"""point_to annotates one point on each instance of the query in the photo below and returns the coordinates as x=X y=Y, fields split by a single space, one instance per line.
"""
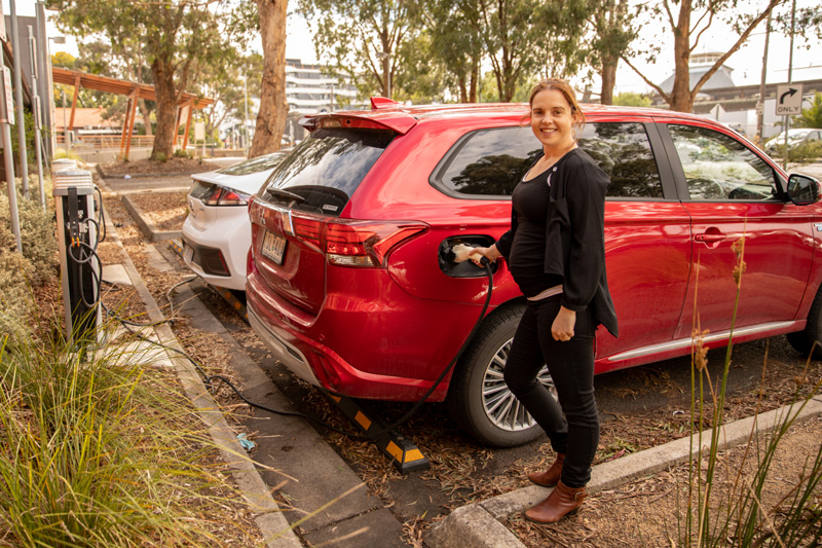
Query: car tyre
x=477 y=386
x=803 y=341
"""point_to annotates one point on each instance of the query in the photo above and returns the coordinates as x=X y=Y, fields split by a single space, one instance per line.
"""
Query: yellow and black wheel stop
x=405 y=455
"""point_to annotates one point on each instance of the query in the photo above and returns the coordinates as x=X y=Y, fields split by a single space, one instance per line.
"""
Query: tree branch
x=670 y=15
x=699 y=35
x=736 y=46
x=658 y=89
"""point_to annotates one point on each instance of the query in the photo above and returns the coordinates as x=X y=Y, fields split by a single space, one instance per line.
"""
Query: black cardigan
x=574 y=238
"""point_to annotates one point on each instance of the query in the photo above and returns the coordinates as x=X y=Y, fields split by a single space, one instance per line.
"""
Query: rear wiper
x=280 y=193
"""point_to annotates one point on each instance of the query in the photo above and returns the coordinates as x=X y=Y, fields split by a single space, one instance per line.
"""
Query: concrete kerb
x=480 y=524
x=275 y=529
x=149 y=229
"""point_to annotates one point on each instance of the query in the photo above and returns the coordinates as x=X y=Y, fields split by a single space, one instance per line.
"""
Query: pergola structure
x=134 y=91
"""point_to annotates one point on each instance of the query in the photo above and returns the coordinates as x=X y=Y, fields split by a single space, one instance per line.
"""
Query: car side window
x=623 y=151
x=718 y=167
x=492 y=161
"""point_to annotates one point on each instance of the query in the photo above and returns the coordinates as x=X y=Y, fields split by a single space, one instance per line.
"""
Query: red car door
x=647 y=239
x=733 y=195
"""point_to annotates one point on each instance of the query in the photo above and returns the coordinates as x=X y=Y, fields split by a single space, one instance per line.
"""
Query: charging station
x=77 y=235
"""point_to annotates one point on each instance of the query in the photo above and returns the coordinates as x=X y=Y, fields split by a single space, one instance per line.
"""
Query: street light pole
x=36 y=108
x=18 y=97
x=790 y=81
x=760 y=106
x=245 y=117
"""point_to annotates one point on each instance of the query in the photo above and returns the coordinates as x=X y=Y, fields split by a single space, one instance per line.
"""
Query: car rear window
x=325 y=169
x=255 y=165
x=490 y=162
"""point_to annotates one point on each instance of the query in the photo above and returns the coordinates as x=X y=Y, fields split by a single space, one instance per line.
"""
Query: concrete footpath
x=481 y=524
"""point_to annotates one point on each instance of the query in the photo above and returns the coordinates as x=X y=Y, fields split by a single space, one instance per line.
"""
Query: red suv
x=349 y=282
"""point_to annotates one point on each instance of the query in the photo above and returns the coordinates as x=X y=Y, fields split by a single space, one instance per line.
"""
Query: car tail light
x=222 y=196
x=355 y=243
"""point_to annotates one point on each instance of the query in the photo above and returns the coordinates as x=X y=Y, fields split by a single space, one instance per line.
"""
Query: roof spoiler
x=382 y=102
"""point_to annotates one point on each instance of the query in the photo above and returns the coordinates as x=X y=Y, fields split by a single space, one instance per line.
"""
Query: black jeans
x=572 y=424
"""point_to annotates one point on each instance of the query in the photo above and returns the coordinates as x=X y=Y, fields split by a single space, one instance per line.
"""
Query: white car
x=796 y=137
x=217 y=231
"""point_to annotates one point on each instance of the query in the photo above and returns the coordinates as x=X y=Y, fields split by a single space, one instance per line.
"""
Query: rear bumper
x=296 y=347
x=232 y=237
x=285 y=353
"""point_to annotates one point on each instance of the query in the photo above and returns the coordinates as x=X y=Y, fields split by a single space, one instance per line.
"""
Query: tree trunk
x=472 y=93
x=146 y=114
x=608 y=74
x=271 y=118
x=463 y=85
x=682 y=99
x=166 y=110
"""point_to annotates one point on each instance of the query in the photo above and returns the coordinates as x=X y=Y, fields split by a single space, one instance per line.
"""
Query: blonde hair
x=567 y=91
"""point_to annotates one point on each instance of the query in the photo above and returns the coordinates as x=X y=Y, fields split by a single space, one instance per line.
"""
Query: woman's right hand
x=490 y=253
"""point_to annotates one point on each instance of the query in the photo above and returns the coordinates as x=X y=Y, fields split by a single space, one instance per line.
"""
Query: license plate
x=274 y=247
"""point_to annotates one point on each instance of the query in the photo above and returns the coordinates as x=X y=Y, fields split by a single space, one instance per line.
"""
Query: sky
x=746 y=63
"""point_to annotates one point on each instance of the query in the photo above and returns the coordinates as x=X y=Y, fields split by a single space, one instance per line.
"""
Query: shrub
x=101 y=452
x=36 y=232
x=16 y=304
x=805 y=152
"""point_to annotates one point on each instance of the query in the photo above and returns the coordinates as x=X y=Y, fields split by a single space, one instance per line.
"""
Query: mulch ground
x=166 y=210
x=141 y=168
x=652 y=511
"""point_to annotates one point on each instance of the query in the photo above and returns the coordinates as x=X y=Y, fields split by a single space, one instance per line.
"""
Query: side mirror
x=803 y=190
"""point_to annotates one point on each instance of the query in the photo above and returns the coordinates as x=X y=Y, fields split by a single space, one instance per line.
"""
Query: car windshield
x=325 y=169
x=254 y=165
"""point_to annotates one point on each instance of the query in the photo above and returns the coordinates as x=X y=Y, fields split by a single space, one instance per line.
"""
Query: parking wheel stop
x=404 y=454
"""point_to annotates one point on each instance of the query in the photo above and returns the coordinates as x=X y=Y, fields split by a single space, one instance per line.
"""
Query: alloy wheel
x=500 y=405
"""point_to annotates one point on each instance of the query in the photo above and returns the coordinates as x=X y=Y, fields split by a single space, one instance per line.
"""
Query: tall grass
x=740 y=518
x=97 y=449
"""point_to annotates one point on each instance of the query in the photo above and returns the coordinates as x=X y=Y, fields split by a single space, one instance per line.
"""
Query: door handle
x=710 y=236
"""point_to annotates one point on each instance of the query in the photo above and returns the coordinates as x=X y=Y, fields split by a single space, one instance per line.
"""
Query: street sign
x=788 y=100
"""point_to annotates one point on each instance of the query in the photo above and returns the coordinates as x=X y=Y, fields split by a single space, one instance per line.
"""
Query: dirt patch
x=165 y=210
x=651 y=511
x=141 y=168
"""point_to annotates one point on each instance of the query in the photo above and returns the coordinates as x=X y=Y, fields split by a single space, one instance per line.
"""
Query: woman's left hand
x=563 y=327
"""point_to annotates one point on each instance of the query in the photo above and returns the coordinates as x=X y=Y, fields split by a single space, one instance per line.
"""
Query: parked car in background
x=350 y=284
x=217 y=232
x=796 y=137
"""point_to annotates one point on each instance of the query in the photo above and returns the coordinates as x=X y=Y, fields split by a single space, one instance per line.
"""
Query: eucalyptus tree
x=523 y=37
x=365 y=39
x=688 y=21
x=177 y=37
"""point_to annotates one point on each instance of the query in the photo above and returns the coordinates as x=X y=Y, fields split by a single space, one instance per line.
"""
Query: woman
x=555 y=252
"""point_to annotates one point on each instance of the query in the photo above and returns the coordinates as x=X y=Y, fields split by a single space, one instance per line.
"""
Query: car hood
x=248 y=184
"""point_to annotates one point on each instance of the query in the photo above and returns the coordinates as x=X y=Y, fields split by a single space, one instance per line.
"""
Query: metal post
x=790 y=81
x=18 y=97
x=760 y=106
x=36 y=108
x=246 y=144
x=5 y=129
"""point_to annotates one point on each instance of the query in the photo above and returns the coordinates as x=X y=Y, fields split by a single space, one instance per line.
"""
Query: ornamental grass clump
x=97 y=449
x=738 y=515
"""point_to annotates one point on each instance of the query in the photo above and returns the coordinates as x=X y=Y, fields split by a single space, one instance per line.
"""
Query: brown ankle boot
x=562 y=500
x=550 y=477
